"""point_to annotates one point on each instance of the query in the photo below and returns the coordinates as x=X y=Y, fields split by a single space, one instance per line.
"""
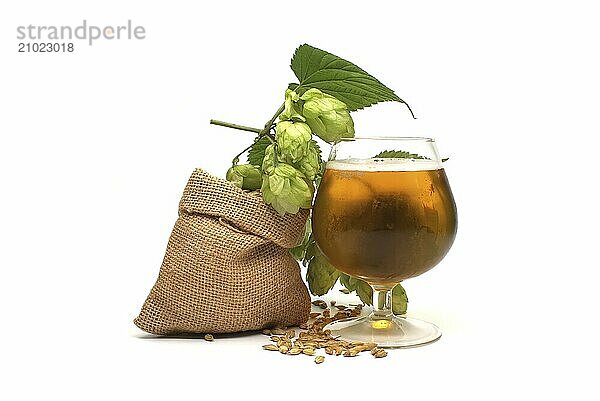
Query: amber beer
x=384 y=220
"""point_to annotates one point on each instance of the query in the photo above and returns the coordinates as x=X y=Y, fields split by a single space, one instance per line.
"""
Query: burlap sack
x=227 y=267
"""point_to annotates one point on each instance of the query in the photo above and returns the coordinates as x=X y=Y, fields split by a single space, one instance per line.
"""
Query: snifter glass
x=384 y=220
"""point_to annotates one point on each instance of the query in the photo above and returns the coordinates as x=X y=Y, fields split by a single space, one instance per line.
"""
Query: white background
x=96 y=147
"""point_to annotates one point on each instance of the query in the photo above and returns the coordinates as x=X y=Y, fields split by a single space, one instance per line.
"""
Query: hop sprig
x=284 y=160
x=289 y=171
x=291 y=164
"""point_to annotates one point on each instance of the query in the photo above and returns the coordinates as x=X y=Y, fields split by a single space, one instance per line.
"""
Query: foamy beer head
x=384 y=220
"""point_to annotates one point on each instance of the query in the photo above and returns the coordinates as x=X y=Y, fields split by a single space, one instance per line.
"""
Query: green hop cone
x=327 y=116
x=310 y=163
x=245 y=176
x=291 y=110
x=292 y=139
x=268 y=165
x=285 y=188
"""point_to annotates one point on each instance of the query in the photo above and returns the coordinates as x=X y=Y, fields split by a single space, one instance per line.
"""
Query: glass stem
x=382 y=304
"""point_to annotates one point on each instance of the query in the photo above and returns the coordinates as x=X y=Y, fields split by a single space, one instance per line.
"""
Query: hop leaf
x=299 y=251
x=245 y=176
x=316 y=68
x=398 y=154
x=348 y=282
x=256 y=154
x=327 y=116
x=292 y=139
x=399 y=300
x=365 y=293
x=320 y=276
x=362 y=288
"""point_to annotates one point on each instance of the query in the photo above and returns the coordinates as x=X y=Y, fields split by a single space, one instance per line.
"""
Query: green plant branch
x=266 y=131
x=261 y=132
x=236 y=126
x=269 y=123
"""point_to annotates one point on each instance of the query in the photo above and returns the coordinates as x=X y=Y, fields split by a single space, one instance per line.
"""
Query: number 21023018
x=46 y=47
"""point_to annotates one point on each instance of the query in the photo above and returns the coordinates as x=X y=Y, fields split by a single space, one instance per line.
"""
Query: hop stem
x=235 y=126
x=269 y=123
x=266 y=131
x=262 y=132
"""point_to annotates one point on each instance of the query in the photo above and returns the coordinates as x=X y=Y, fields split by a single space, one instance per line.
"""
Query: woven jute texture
x=227 y=267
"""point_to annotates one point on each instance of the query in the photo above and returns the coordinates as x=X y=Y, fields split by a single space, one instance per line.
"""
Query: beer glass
x=384 y=220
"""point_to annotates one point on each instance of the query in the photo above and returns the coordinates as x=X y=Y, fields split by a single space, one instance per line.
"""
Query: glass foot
x=391 y=332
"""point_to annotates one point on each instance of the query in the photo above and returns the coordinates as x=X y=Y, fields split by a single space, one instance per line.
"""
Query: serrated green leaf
x=310 y=251
x=316 y=68
x=347 y=282
x=318 y=148
x=319 y=175
x=398 y=154
x=256 y=154
x=299 y=251
x=320 y=276
x=364 y=291
x=399 y=300
x=362 y=288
